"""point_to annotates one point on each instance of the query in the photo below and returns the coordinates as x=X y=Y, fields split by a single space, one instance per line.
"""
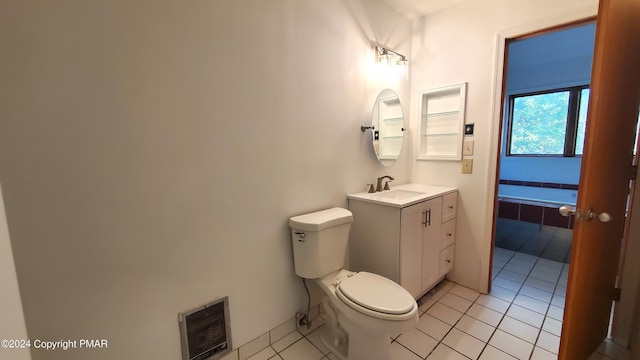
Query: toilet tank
x=320 y=241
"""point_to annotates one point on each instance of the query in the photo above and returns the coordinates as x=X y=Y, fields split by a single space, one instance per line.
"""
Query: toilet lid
x=376 y=293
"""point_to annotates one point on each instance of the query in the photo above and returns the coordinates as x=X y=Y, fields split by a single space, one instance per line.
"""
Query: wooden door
x=605 y=177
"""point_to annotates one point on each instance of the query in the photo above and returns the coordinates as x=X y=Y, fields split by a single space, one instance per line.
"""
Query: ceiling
x=414 y=9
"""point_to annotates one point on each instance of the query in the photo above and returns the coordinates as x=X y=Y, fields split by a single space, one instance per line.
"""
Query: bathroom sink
x=402 y=195
x=398 y=194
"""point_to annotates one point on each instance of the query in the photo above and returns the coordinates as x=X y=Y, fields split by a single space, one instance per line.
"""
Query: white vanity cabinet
x=412 y=245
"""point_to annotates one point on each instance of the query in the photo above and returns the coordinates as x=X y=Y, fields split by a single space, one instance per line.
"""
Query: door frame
x=623 y=330
x=623 y=314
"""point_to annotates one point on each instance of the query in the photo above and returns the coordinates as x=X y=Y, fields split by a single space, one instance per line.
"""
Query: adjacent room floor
x=547 y=242
x=520 y=319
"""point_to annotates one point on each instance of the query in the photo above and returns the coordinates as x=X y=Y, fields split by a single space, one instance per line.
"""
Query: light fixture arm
x=382 y=51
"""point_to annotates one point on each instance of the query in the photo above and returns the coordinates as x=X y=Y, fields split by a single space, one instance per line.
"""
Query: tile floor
x=547 y=242
x=520 y=319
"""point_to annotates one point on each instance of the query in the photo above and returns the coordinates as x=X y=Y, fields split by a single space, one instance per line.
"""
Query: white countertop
x=403 y=195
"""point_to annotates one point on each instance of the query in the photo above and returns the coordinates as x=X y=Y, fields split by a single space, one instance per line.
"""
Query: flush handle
x=301 y=236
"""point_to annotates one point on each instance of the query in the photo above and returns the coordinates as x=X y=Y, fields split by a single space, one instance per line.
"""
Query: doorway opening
x=604 y=177
x=545 y=95
x=545 y=100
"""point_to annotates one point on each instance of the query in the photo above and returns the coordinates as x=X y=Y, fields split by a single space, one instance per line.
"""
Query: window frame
x=571 y=131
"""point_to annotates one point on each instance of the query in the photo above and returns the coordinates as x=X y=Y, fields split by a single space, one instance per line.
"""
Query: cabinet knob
x=449 y=261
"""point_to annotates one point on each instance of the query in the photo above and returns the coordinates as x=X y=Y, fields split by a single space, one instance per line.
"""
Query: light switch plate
x=467 y=166
x=468 y=147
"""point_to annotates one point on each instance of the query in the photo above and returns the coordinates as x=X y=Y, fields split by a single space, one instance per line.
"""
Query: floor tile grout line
x=541 y=325
x=509 y=307
x=448 y=331
x=309 y=340
x=512 y=302
x=548 y=303
x=495 y=329
x=413 y=352
x=454 y=325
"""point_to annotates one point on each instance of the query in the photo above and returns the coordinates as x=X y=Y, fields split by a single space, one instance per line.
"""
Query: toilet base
x=328 y=340
x=367 y=345
x=359 y=349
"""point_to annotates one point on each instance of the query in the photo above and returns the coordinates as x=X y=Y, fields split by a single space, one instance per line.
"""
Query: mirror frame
x=387 y=121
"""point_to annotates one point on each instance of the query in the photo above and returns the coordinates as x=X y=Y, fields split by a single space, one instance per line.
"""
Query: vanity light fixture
x=387 y=56
x=390 y=63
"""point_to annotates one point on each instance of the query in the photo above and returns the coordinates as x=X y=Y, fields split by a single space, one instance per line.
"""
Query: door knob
x=603 y=216
x=566 y=210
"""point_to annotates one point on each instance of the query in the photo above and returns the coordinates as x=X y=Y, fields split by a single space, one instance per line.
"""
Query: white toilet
x=363 y=310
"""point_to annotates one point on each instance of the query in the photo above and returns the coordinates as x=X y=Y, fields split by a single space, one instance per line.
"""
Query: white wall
x=12 y=325
x=151 y=154
x=458 y=45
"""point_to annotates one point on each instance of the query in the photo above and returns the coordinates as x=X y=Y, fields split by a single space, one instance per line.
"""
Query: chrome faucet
x=386 y=185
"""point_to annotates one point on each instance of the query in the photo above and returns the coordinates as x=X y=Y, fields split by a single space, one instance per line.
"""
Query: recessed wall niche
x=442 y=123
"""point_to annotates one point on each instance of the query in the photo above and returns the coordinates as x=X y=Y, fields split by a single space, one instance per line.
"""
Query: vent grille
x=205 y=332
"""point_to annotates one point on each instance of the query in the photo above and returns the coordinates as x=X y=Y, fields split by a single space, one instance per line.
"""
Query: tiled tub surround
x=520 y=319
x=536 y=204
x=539 y=184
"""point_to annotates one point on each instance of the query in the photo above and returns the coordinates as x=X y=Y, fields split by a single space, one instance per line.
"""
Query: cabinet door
x=431 y=223
x=411 y=249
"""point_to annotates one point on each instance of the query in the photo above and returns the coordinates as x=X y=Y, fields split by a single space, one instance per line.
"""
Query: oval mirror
x=387 y=120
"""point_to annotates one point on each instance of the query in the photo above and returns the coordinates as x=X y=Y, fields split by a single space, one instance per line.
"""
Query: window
x=550 y=123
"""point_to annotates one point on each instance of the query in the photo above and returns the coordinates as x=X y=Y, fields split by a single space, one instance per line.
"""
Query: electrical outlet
x=467 y=166
x=467 y=149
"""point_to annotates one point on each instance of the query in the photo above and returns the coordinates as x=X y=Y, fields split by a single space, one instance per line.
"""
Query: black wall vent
x=205 y=332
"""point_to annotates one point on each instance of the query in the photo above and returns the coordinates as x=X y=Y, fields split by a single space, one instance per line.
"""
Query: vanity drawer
x=448 y=234
x=446 y=259
x=449 y=206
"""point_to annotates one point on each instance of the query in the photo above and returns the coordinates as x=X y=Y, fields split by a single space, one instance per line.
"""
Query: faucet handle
x=371 y=189
x=386 y=185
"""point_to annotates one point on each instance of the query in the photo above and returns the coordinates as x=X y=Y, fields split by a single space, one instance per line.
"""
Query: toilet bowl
x=363 y=310
x=370 y=308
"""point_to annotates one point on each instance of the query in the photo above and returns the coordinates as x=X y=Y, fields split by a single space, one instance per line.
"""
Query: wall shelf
x=442 y=123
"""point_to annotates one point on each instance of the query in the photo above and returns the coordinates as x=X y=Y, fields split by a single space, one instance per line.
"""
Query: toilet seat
x=376 y=296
